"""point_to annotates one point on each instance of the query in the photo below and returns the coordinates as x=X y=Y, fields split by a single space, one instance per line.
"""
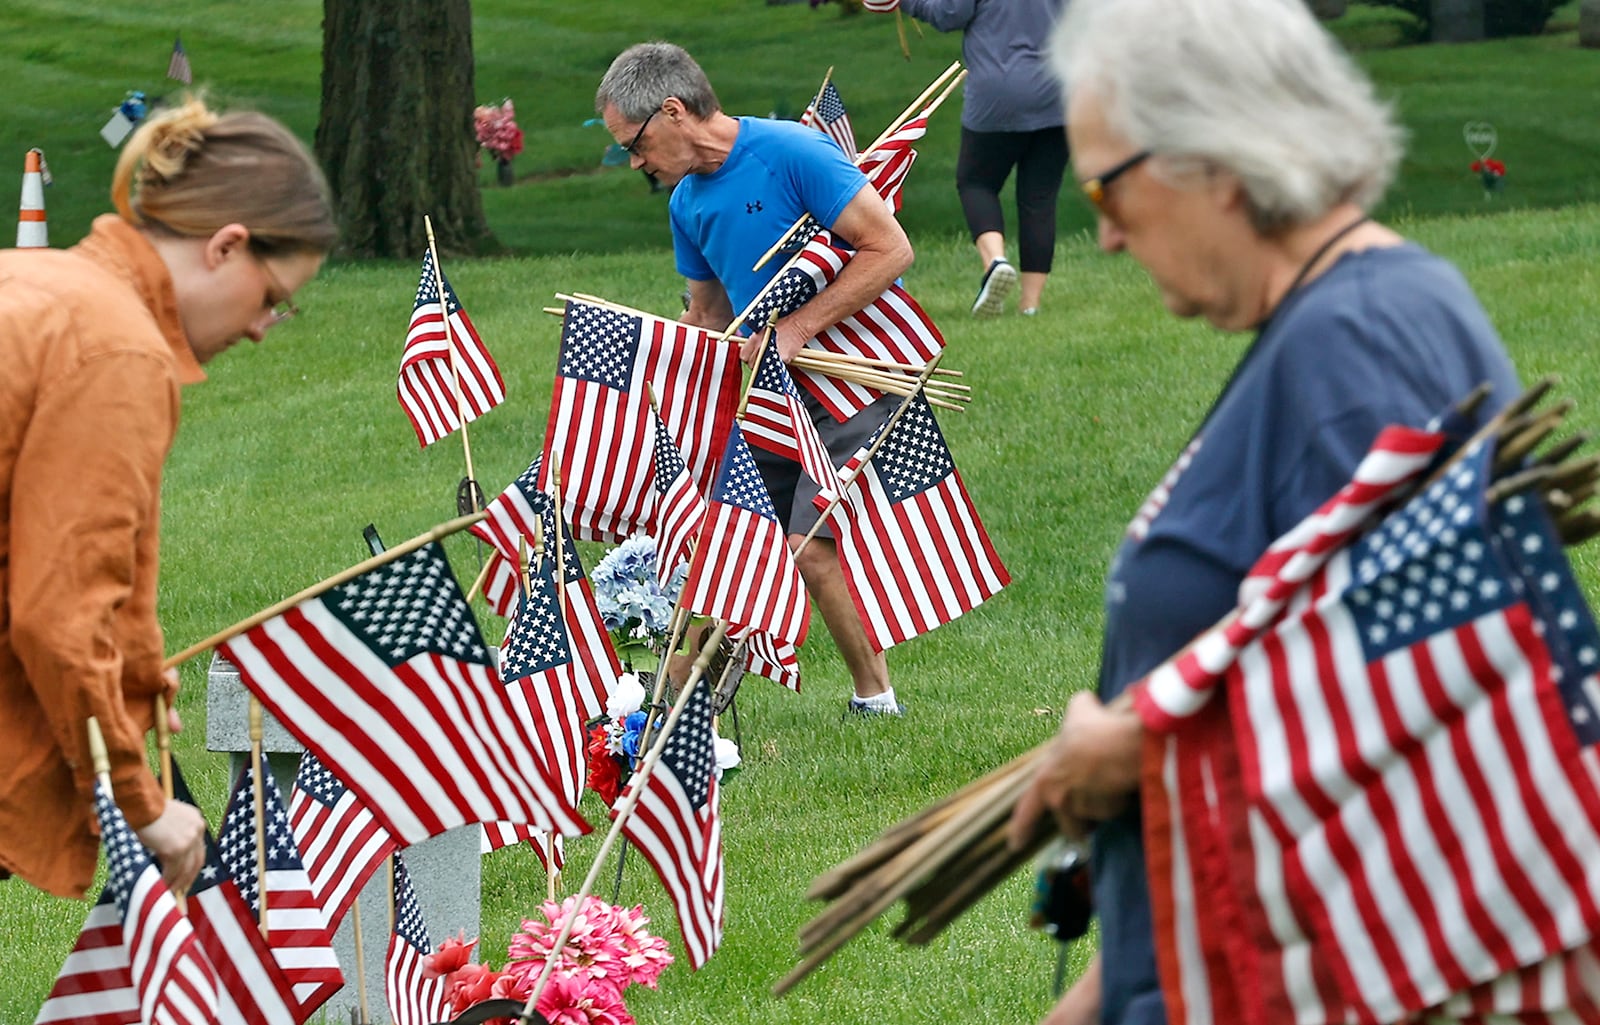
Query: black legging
x=1040 y=158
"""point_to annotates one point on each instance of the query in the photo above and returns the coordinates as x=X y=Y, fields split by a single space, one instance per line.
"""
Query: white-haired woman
x=1234 y=151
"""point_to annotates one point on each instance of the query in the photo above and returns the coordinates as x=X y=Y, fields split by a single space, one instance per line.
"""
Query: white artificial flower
x=626 y=697
x=727 y=754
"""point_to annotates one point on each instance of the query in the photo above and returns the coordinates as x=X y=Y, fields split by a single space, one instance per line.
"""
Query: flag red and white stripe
x=387 y=680
x=767 y=656
x=341 y=843
x=676 y=826
x=775 y=419
x=499 y=835
x=887 y=164
x=742 y=570
x=679 y=506
x=827 y=115
x=436 y=391
x=914 y=553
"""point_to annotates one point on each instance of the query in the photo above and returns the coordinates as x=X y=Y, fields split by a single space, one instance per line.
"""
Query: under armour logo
x=753 y=208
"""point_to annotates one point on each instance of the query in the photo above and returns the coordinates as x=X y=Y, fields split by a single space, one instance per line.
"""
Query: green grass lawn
x=295 y=445
x=70 y=63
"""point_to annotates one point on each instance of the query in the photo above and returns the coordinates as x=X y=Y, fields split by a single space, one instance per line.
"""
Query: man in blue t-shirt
x=740 y=184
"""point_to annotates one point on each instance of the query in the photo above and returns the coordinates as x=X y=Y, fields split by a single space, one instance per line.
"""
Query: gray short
x=790 y=488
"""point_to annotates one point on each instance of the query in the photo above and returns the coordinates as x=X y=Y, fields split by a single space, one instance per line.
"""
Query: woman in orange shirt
x=220 y=219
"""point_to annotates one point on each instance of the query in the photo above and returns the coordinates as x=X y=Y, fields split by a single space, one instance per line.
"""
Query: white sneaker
x=998 y=281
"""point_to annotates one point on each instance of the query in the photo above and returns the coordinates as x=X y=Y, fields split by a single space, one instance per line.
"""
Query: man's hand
x=178 y=840
x=1087 y=775
x=787 y=336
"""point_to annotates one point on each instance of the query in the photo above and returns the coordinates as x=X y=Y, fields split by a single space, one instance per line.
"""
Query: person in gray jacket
x=1012 y=117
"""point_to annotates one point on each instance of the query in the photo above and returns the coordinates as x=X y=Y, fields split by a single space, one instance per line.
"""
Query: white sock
x=884 y=700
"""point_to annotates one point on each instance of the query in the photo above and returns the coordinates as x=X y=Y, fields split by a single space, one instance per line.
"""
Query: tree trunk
x=1589 y=23
x=1457 y=21
x=1328 y=10
x=395 y=135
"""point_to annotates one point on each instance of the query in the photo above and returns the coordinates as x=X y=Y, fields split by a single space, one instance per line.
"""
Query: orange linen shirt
x=93 y=353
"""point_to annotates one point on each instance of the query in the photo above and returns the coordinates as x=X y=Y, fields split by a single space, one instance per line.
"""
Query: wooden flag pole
x=450 y=344
x=164 y=760
x=900 y=30
x=479 y=580
x=894 y=126
x=361 y=959
x=635 y=791
x=845 y=485
x=755 y=368
x=816 y=101
x=443 y=530
x=259 y=791
x=551 y=874
x=97 y=753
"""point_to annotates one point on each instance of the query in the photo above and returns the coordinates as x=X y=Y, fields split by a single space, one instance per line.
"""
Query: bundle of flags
x=1395 y=813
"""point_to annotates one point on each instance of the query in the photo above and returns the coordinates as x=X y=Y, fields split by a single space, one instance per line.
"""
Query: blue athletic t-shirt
x=1384 y=336
x=776 y=172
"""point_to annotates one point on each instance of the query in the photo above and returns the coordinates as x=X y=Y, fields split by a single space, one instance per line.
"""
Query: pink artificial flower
x=452 y=954
x=514 y=987
x=644 y=956
x=594 y=949
x=575 y=1001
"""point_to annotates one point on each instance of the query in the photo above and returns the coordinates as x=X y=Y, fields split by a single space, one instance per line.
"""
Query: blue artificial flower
x=632 y=726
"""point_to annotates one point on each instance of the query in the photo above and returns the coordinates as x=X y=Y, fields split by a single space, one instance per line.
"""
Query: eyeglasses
x=282 y=309
x=632 y=148
x=1095 y=188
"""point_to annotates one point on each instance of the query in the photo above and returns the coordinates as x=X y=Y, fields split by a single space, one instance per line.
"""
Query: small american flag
x=1405 y=781
x=414 y=998
x=340 y=842
x=676 y=827
x=888 y=163
x=178 y=67
x=827 y=114
x=498 y=835
x=137 y=959
x=915 y=554
x=776 y=420
x=523 y=514
x=387 y=680
x=538 y=667
x=435 y=394
x=251 y=988
x=742 y=570
x=297 y=927
x=679 y=509
x=767 y=656
x=599 y=420
x=891 y=327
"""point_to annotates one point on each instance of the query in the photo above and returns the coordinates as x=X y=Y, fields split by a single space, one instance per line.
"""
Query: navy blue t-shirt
x=1384 y=336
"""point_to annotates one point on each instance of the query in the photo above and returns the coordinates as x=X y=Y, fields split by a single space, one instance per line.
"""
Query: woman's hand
x=178 y=840
x=1089 y=772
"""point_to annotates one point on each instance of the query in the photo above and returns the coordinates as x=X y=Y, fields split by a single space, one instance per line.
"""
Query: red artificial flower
x=453 y=954
x=605 y=777
x=470 y=984
x=1494 y=167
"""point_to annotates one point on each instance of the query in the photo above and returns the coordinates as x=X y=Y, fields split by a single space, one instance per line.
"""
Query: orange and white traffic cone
x=32 y=231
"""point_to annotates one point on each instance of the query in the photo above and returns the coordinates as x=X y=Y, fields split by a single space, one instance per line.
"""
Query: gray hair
x=1252 y=87
x=644 y=75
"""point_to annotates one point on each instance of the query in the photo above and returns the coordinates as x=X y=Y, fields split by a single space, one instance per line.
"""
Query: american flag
x=414 y=998
x=178 y=67
x=522 y=513
x=742 y=570
x=767 y=656
x=887 y=164
x=387 y=680
x=599 y=421
x=891 y=327
x=251 y=988
x=1404 y=779
x=137 y=959
x=537 y=665
x=341 y=843
x=428 y=386
x=498 y=835
x=676 y=827
x=827 y=115
x=679 y=507
x=297 y=927
x=915 y=554
x=775 y=419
